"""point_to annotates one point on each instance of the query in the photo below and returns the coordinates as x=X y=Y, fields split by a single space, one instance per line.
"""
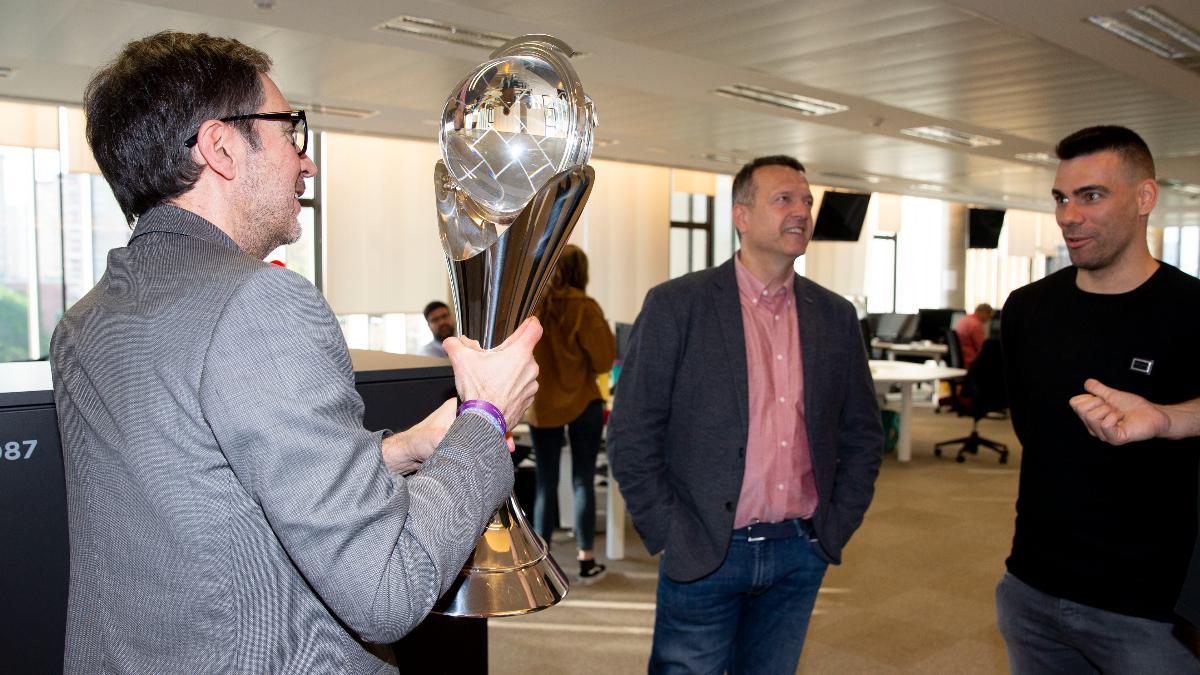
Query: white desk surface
x=21 y=376
x=902 y=371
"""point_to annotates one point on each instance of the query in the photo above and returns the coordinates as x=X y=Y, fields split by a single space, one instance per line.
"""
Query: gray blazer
x=228 y=512
x=680 y=420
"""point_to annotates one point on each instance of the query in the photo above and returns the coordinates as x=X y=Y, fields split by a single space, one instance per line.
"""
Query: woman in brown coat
x=576 y=345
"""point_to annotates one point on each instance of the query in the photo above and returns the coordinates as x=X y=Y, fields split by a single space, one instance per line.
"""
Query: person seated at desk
x=441 y=324
x=971 y=333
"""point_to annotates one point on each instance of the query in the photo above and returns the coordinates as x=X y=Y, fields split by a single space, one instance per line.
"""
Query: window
x=691 y=241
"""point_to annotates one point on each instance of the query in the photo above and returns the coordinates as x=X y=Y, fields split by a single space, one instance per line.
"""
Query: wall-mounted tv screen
x=841 y=215
x=983 y=227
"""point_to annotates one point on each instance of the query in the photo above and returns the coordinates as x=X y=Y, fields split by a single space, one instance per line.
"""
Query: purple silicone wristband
x=489 y=410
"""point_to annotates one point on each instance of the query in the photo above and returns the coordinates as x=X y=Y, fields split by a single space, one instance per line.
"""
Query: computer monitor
x=896 y=327
x=623 y=331
x=932 y=324
x=840 y=217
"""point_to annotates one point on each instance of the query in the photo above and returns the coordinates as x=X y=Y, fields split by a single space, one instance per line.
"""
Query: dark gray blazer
x=678 y=430
x=228 y=512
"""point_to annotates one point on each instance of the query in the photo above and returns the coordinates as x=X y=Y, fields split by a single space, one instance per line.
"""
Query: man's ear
x=1147 y=196
x=739 y=217
x=218 y=146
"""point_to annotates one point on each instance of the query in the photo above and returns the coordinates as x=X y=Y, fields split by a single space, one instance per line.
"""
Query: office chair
x=954 y=359
x=983 y=391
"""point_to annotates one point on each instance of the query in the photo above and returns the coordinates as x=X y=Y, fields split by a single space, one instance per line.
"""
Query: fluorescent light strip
x=864 y=178
x=444 y=32
x=1137 y=37
x=951 y=136
x=806 y=105
x=1038 y=158
x=1184 y=34
x=322 y=109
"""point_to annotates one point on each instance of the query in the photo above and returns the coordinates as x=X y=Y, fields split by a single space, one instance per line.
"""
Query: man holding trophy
x=228 y=512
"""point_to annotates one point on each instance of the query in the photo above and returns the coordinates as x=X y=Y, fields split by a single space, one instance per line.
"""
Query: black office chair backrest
x=953 y=349
x=985 y=381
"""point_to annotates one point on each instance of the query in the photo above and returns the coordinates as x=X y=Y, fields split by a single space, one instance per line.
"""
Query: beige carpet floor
x=915 y=594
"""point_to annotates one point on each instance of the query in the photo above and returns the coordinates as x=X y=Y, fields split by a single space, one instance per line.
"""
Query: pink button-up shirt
x=778 y=483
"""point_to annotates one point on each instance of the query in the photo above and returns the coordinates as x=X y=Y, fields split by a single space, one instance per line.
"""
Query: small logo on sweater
x=1143 y=366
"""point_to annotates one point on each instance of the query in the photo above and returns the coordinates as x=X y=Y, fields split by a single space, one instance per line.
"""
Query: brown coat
x=576 y=345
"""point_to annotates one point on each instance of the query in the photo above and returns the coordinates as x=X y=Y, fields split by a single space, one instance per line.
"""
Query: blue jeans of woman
x=584 y=432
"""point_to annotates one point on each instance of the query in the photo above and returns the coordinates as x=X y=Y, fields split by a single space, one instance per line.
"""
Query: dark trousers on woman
x=584 y=432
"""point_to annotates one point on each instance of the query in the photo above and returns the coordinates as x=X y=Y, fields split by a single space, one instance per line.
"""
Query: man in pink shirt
x=971 y=332
x=746 y=438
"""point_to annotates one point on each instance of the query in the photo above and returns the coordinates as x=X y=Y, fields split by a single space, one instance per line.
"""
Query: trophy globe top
x=515 y=122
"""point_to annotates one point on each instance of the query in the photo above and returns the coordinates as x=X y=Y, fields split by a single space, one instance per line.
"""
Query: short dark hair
x=743 y=182
x=433 y=307
x=1125 y=142
x=144 y=105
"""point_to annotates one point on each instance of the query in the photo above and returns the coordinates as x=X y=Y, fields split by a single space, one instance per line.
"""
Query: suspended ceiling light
x=444 y=32
x=805 y=105
x=340 y=111
x=1137 y=37
x=951 y=136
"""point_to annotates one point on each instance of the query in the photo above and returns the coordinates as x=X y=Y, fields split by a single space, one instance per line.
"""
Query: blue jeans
x=1047 y=634
x=584 y=432
x=749 y=616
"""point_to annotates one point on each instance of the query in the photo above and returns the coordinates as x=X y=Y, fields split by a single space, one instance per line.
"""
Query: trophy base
x=509 y=573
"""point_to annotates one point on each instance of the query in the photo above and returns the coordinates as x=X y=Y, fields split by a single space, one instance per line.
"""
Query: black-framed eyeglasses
x=296 y=117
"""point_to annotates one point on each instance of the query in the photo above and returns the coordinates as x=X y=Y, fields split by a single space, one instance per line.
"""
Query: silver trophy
x=516 y=136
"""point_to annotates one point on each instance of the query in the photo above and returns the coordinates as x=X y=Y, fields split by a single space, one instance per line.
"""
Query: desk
x=906 y=375
x=930 y=350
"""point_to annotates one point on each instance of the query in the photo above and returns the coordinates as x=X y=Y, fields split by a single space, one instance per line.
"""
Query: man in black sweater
x=1103 y=533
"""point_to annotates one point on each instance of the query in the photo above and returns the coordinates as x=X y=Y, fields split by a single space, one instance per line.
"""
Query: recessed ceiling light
x=1137 y=37
x=1038 y=158
x=928 y=187
x=340 y=111
x=606 y=142
x=727 y=159
x=444 y=32
x=805 y=105
x=861 y=177
x=951 y=136
x=1153 y=16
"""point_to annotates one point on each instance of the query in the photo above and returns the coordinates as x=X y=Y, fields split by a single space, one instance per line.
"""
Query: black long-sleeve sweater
x=1108 y=527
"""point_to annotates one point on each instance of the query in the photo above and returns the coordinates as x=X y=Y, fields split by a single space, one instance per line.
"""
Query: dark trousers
x=547 y=446
x=584 y=432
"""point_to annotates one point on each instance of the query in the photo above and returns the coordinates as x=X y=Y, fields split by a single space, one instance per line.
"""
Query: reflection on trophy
x=516 y=136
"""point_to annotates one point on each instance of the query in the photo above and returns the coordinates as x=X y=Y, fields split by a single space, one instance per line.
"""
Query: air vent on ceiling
x=340 y=111
x=444 y=32
x=1157 y=32
x=951 y=136
x=805 y=105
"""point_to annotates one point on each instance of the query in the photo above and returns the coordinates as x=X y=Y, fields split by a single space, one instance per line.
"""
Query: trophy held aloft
x=516 y=136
